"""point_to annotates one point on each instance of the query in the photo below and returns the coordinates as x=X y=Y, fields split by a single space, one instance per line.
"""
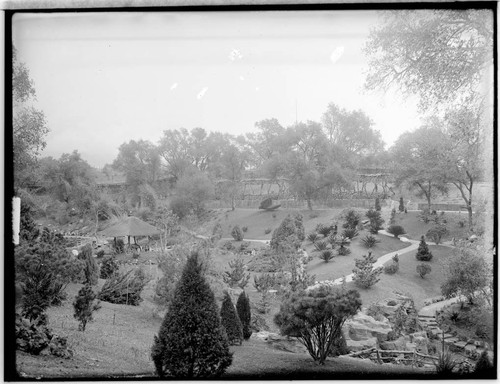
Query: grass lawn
x=343 y=265
x=257 y=221
x=415 y=227
x=407 y=281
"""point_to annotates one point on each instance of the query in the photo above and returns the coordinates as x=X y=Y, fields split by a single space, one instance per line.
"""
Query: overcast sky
x=106 y=78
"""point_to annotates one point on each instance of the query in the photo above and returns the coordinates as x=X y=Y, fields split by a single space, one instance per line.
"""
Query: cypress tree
x=191 y=342
x=230 y=320
x=91 y=268
x=423 y=253
x=245 y=314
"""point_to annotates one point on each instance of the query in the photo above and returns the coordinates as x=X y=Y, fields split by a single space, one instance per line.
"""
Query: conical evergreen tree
x=191 y=342
x=245 y=314
x=423 y=253
x=230 y=321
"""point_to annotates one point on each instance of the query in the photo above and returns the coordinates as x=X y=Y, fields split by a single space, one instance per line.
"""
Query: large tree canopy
x=439 y=55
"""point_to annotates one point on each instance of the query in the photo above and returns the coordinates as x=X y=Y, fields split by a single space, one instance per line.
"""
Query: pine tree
x=401 y=205
x=377 y=204
x=84 y=306
x=230 y=320
x=191 y=342
x=364 y=275
x=245 y=314
x=91 y=268
x=423 y=253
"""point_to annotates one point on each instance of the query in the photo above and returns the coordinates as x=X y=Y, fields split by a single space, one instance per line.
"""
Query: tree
x=316 y=318
x=237 y=233
x=236 y=276
x=245 y=314
x=193 y=188
x=84 y=306
x=139 y=161
x=29 y=124
x=364 y=275
x=230 y=320
x=467 y=273
x=423 y=269
x=377 y=204
x=439 y=55
x=91 y=270
x=286 y=234
x=423 y=253
x=416 y=162
x=191 y=342
x=376 y=220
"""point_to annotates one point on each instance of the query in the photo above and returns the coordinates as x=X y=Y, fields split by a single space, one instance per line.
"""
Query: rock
x=460 y=344
x=283 y=343
x=421 y=344
x=364 y=331
x=261 y=335
x=470 y=348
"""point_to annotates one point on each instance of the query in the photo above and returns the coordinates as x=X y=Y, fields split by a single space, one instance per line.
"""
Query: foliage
x=236 y=276
x=91 y=270
x=396 y=230
x=323 y=229
x=244 y=229
x=217 y=231
x=391 y=268
x=299 y=227
x=316 y=318
x=350 y=233
x=108 y=268
x=230 y=321
x=286 y=233
x=445 y=363
x=139 y=161
x=401 y=205
x=326 y=255
x=403 y=53
x=171 y=265
x=467 y=273
x=364 y=275
x=392 y=219
x=437 y=232
x=423 y=269
x=483 y=365
x=352 y=219
x=193 y=188
x=312 y=237
x=377 y=204
x=180 y=206
x=369 y=241
x=44 y=268
x=342 y=251
x=119 y=246
x=376 y=220
x=405 y=319
x=320 y=245
x=124 y=288
x=84 y=306
x=191 y=342
x=423 y=253
x=245 y=314
x=236 y=233
x=34 y=336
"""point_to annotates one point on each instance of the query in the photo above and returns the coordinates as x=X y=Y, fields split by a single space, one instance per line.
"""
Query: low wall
x=443 y=207
x=296 y=204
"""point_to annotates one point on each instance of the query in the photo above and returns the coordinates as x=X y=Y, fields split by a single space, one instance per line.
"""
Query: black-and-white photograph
x=294 y=192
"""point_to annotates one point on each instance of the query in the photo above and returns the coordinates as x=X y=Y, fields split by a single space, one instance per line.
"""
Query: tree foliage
x=191 y=342
x=236 y=275
x=245 y=314
x=423 y=253
x=85 y=306
x=364 y=275
x=316 y=318
x=438 y=55
x=287 y=233
x=91 y=270
x=230 y=321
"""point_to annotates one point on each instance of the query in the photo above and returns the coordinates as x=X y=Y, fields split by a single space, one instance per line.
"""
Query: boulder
x=283 y=343
x=363 y=331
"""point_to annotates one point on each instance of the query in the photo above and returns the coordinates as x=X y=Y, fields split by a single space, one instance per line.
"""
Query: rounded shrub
x=237 y=233
x=423 y=253
x=396 y=230
x=423 y=269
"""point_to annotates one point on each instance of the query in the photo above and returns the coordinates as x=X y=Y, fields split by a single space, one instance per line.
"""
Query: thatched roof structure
x=131 y=226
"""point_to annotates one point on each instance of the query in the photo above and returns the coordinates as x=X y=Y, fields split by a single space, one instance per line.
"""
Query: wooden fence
x=381 y=355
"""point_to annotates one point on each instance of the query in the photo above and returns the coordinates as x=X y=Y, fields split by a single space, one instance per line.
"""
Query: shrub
x=425 y=215
x=342 y=251
x=191 y=342
x=352 y=219
x=436 y=233
x=369 y=241
x=364 y=275
x=84 y=306
x=484 y=367
x=181 y=206
x=124 y=288
x=267 y=231
x=423 y=253
x=423 y=269
x=376 y=220
x=266 y=203
x=100 y=254
x=264 y=282
x=217 y=231
x=299 y=227
x=237 y=233
x=91 y=270
x=320 y=245
x=236 y=276
x=316 y=318
x=230 y=321
x=326 y=255
x=108 y=268
x=285 y=234
x=350 y=233
x=171 y=265
x=323 y=229
x=244 y=229
x=445 y=363
x=119 y=246
x=377 y=204
x=245 y=314
x=312 y=237
x=396 y=230
x=392 y=219
x=401 y=205
x=391 y=268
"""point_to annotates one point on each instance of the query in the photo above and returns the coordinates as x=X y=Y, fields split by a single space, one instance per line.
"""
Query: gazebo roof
x=131 y=226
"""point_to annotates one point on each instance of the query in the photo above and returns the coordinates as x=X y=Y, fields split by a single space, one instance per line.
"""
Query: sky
x=103 y=79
